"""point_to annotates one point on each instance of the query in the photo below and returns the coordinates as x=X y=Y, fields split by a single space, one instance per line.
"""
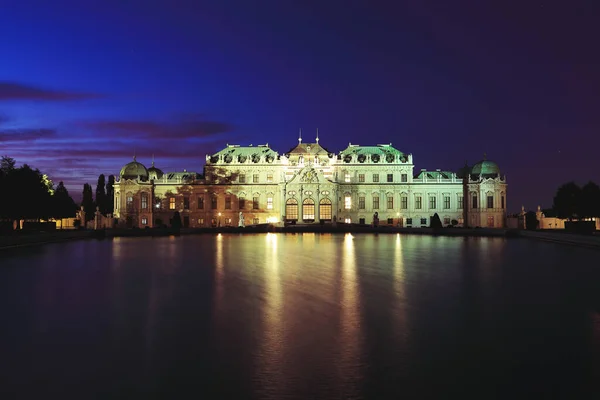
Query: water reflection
x=350 y=334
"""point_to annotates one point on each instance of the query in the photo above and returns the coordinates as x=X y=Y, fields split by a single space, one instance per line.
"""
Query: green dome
x=134 y=170
x=486 y=168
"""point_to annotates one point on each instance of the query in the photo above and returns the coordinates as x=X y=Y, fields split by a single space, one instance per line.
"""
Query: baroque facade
x=309 y=184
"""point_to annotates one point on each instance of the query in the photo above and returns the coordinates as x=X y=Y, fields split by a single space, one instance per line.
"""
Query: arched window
x=308 y=210
x=325 y=209
x=291 y=210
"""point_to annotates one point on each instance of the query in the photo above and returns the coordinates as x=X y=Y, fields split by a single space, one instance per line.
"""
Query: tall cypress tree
x=110 y=194
x=88 y=202
x=101 y=194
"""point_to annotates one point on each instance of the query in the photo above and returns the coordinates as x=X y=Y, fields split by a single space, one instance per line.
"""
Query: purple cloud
x=25 y=135
x=18 y=91
x=181 y=129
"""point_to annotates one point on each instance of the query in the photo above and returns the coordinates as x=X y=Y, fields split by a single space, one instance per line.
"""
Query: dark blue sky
x=86 y=84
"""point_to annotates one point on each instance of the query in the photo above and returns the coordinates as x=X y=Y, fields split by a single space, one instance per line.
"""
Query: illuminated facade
x=308 y=185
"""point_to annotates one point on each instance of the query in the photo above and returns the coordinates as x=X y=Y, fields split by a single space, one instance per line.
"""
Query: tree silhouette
x=63 y=205
x=88 y=202
x=567 y=201
x=435 y=222
x=590 y=201
x=101 y=194
x=110 y=194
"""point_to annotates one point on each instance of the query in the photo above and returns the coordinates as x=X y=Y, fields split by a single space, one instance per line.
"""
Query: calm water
x=300 y=317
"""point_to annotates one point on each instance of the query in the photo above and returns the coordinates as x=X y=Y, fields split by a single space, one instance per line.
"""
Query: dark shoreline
x=31 y=239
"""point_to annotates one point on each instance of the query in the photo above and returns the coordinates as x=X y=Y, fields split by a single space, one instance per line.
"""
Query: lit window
x=144 y=221
x=432 y=202
x=404 y=178
x=361 y=177
x=129 y=200
x=404 y=202
x=347 y=220
x=446 y=202
x=269 y=203
x=346 y=177
x=361 y=203
x=144 y=198
x=255 y=221
x=200 y=221
x=375 y=177
x=171 y=203
x=269 y=177
x=347 y=202
x=227 y=221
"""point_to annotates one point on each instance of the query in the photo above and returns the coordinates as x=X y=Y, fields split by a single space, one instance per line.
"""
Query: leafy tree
x=101 y=194
x=176 y=220
x=30 y=194
x=63 y=205
x=435 y=222
x=7 y=164
x=88 y=202
x=590 y=201
x=110 y=194
x=567 y=201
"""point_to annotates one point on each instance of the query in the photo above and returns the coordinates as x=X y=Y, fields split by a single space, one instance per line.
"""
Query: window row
x=214 y=203
x=375 y=178
x=243 y=178
x=432 y=205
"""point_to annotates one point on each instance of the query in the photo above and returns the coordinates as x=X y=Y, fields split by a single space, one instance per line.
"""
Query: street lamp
x=219 y=221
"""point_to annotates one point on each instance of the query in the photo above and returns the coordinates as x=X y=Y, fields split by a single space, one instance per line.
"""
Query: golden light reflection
x=400 y=313
x=270 y=357
x=219 y=270
x=350 y=334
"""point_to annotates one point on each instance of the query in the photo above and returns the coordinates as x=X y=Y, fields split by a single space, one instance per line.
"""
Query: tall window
x=418 y=202
x=390 y=202
x=502 y=198
x=228 y=202
x=347 y=202
x=144 y=221
x=270 y=177
x=490 y=202
x=346 y=177
x=242 y=178
x=361 y=177
x=269 y=203
x=408 y=221
x=129 y=201
x=361 y=203
x=144 y=200
x=375 y=202
x=291 y=209
x=404 y=202
x=375 y=177
x=171 y=203
x=308 y=209
x=432 y=202
x=213 y=202
x=186 y=203
x=255 y=178
x=200 y=203
x=446 y=202
x=241 y=203
x=460 y=202
x=390 y=177
x=404 y=178
x=325 y=209
x=255 y=203
x=474 y=201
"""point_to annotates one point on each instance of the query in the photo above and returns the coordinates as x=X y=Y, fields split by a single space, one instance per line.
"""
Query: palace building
x=309 y=184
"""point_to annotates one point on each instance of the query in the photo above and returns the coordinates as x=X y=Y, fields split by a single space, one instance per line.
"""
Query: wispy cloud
x=20 y=91
x=25 y=135
x=183 y=128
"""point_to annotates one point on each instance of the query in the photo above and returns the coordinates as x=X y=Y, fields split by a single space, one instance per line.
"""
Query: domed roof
x=153 y=172
x=486 y=168
x=134 y=170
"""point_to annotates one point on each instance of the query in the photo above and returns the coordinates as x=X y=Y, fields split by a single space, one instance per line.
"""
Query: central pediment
x=309 y=175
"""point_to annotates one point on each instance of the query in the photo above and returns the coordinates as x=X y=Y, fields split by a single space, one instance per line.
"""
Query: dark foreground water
x=307 y=316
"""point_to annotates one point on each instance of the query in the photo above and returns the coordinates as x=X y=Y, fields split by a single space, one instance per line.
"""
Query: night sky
x=85 y=85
